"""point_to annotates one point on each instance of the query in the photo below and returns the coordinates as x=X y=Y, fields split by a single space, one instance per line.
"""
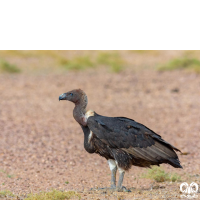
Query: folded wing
x=133 y=138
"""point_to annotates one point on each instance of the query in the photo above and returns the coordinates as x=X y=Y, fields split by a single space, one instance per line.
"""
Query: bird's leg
x=121 y=177
x=113 y=168
x=113 y=177
x=121 y=188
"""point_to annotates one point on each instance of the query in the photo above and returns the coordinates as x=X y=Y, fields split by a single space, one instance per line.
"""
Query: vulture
x=122 y=141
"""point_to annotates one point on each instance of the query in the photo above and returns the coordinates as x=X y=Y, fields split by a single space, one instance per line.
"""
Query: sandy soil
x=41 y=145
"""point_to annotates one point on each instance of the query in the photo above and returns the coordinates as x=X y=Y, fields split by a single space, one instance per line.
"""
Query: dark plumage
x=130 y=143
x=122 y=141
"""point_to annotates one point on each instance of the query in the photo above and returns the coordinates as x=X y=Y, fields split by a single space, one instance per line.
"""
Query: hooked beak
x=62 y=96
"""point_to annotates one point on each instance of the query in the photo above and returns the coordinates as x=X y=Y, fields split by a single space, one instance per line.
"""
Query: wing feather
x=131 y=137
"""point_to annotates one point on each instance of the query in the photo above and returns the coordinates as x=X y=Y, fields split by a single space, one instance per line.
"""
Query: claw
x=122 y=189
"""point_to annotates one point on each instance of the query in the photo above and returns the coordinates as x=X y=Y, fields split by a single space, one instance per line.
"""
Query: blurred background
x=44 y=62
x=41 y=145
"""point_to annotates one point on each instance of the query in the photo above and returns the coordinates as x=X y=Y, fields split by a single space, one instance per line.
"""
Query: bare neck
x=80 y=110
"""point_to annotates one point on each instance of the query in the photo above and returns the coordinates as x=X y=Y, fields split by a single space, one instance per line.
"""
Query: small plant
x=53 y=195
x=175 y=177
x=3 y=171
x=78 y=63
x=6 y=193
x=66 y=182
x=112 y=60
x=8 y=175
x=63 y=61
x=183 y=63
x=9 y=68
x=159 y=175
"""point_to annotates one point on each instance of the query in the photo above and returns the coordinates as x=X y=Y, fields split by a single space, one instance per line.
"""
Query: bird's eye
x=71 y=94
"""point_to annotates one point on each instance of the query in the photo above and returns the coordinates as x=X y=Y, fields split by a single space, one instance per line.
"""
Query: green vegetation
x=112 y=60
x=6 y=193
x=65 y=59
x=189 y=64
x=8 y=175
x=82 y=60
x=9 y=68
x=150 y=52
x=66 y=182
x=175 y=177
x=53 y=195
x=159 y=175
x=78 y=63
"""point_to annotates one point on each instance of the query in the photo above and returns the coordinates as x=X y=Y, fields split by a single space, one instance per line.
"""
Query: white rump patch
x=112 y=164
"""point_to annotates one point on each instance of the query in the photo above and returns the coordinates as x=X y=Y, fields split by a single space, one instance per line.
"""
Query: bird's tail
x=175 y=162
x=167 y=152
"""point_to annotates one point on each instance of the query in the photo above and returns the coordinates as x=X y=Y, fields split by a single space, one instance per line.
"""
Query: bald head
x=79 y=98
x=76 y=96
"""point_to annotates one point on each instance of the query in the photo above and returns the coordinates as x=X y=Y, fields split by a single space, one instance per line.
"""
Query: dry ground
x=41 y=145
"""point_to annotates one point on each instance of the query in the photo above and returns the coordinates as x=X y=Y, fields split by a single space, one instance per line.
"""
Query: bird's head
x=76 y=96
